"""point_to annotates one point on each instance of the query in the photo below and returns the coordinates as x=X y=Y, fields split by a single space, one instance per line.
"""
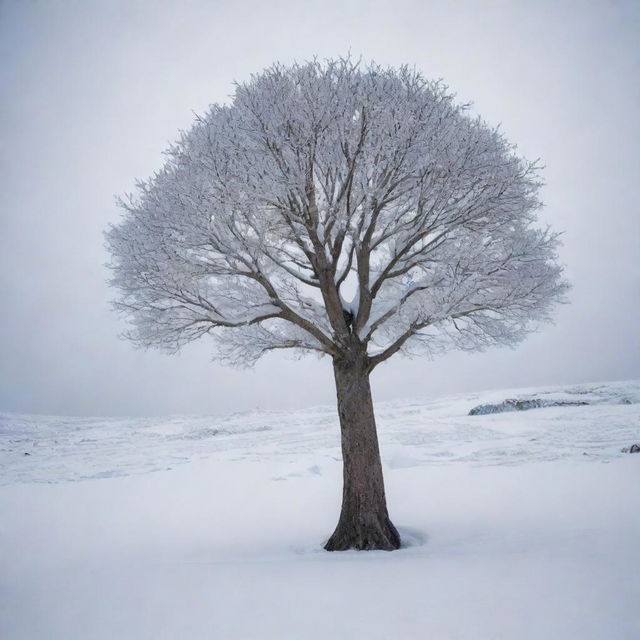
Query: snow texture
x=515 y=525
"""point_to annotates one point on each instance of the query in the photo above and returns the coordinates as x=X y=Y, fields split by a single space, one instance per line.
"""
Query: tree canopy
x=323 y=176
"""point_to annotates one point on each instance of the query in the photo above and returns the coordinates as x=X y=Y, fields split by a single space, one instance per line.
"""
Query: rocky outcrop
x=514 y=404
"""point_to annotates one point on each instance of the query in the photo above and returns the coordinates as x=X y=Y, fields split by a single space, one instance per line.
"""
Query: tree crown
x=324 y=177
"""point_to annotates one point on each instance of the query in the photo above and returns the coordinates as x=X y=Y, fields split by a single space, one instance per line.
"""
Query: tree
x=322 y=176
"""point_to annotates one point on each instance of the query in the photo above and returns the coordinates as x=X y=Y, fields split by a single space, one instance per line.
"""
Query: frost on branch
x=319 y=174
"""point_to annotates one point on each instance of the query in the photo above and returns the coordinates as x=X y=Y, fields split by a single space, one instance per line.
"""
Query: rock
x=514 y=404
x=634 y=448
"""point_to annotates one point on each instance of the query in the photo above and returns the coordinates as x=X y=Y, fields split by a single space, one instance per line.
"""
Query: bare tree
x=327 y=176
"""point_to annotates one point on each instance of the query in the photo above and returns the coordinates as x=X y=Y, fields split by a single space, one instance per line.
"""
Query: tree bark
x=364 y=521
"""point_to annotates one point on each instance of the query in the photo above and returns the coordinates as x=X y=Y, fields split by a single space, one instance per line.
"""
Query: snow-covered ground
x=519 y=525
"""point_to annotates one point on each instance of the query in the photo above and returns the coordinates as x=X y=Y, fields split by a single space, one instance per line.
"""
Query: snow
x=218 y=243
x=351 y=306
x=212 y=527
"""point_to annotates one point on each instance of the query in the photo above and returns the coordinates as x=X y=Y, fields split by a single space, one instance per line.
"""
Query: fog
x=91 y=93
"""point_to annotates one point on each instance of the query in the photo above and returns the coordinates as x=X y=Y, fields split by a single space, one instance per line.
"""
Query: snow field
x=506 y=537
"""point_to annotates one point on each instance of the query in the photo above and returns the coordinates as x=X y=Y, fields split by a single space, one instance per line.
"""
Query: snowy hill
x=516 y=524
x=58 y=449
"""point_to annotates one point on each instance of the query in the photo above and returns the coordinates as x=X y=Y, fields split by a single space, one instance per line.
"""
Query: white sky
x=92 y=92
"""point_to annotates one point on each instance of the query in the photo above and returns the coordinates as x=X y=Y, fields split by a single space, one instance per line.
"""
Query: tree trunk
x=364 y=521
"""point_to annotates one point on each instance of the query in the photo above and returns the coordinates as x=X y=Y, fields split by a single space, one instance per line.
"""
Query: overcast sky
x=91 y=93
